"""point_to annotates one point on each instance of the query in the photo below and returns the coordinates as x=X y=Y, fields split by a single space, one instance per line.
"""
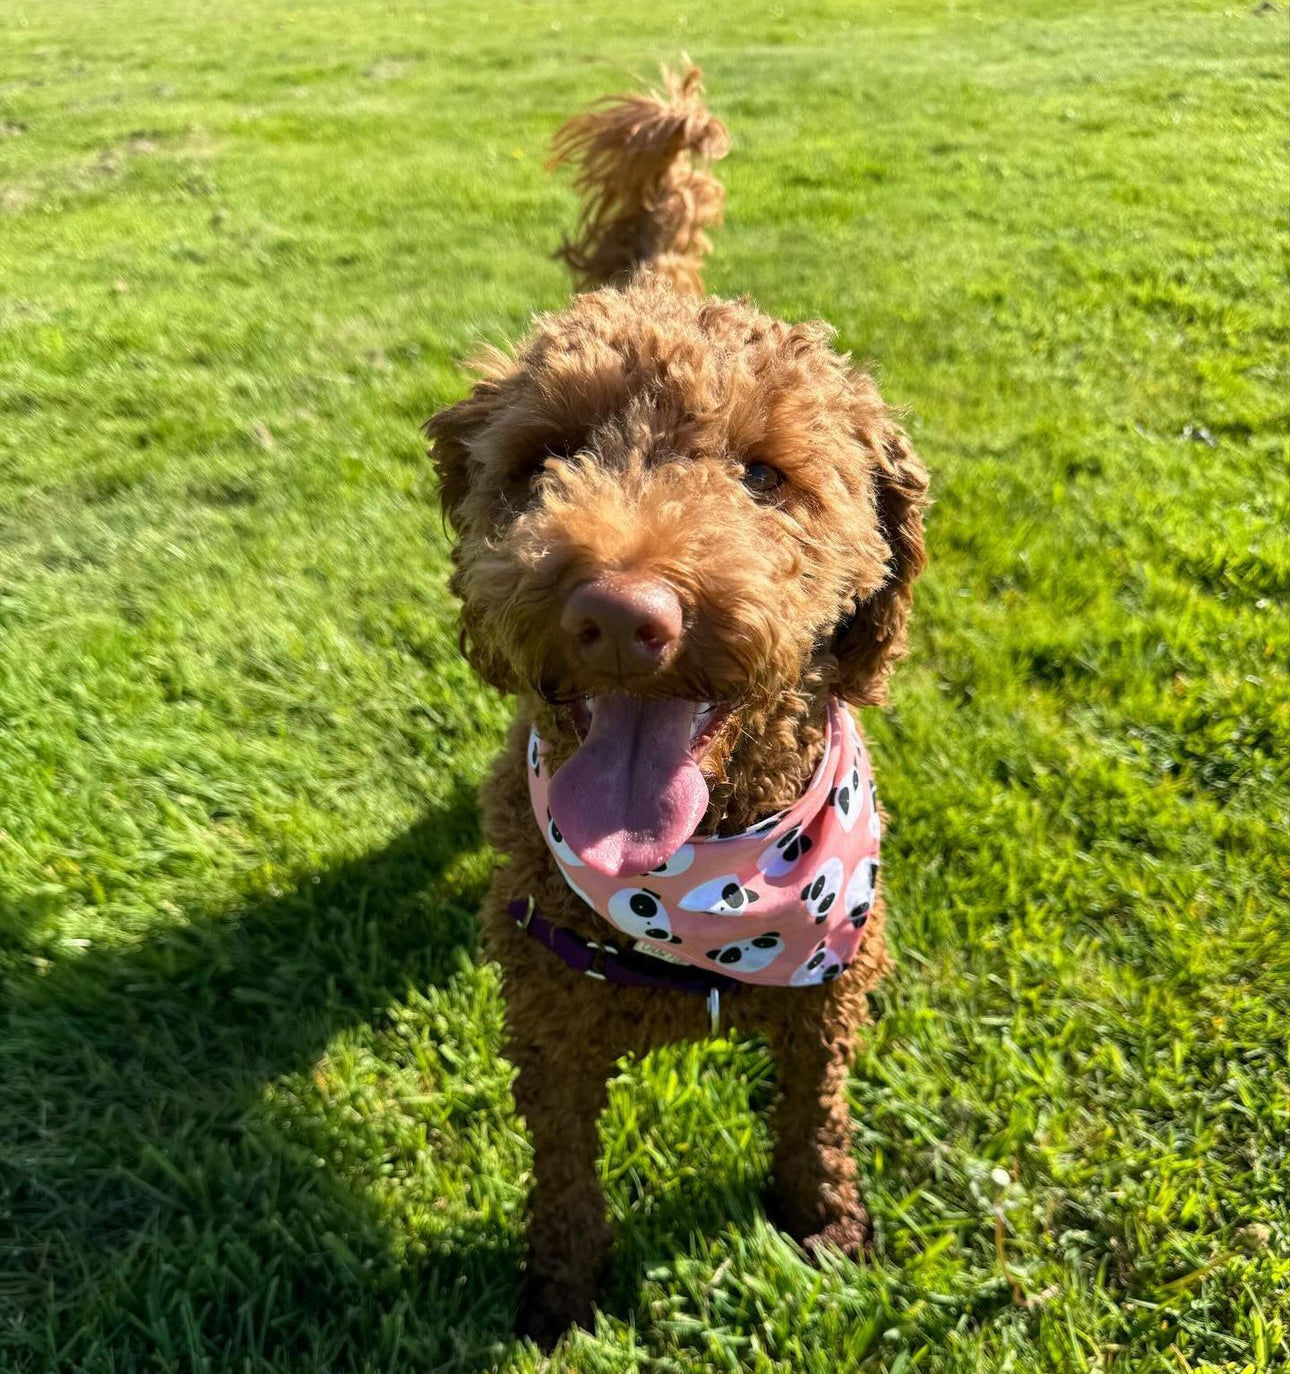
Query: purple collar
x=612 y=965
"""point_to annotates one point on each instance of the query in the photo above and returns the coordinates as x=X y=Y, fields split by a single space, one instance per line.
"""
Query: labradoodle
x=686 y=536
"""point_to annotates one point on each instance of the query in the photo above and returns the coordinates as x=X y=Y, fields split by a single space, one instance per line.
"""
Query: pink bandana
x=782 y=904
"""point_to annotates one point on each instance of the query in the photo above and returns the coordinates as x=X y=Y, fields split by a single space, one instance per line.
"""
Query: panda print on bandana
x=724 y=896
x=822 y=966
x=823 y=889
x=748 y=956
x=640 y=912
x=784 y=903
x=846 y=798
x=678 y=863
x=862 y=888
x=788 y=850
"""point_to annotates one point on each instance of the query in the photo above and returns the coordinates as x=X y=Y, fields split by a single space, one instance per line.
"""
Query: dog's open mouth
x=707 y=719
x=632 y=794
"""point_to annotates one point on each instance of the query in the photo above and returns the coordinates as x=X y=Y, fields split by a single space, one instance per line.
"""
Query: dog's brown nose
x=623 y=625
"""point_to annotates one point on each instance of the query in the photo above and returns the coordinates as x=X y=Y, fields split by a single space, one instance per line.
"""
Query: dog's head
x=682 y=509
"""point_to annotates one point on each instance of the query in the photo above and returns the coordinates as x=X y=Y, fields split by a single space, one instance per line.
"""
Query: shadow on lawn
x=152 y=1211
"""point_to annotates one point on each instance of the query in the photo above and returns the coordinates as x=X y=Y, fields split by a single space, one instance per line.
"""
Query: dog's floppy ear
x=451 y=430
x=872 y=637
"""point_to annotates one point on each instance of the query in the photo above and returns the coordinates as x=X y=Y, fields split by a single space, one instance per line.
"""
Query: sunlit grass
x=253 y=1114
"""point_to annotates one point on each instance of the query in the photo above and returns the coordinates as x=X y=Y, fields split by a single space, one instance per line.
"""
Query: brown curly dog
x=676 y=499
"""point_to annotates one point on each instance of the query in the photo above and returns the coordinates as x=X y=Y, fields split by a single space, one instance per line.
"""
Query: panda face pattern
x=725 y=896
x=559 y=845
x=822 y=891
x=782 y=856
x=535 y=753
x=640 y=912
x=678 y=863
x=821 y=967
x=862 y=887
x=845 y=799
x=749 y=956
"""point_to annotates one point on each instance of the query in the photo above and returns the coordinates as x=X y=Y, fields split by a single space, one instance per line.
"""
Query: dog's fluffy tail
x=641 y=167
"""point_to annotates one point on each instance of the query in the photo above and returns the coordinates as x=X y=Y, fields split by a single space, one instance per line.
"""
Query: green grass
x=252 y=1111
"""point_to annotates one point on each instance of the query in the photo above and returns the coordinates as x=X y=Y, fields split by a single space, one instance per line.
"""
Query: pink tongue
x=632 y=795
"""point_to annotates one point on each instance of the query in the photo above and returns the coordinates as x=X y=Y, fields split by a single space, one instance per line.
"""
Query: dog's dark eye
x=761 y=479
x=538 y=465
x=531 y=463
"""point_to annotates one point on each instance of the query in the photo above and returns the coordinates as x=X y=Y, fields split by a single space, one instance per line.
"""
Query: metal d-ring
x=714 y=1011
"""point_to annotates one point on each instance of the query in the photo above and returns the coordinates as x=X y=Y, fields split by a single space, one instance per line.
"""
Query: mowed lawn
x=253 y=1115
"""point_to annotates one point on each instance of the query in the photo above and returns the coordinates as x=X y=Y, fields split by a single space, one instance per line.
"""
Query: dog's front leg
x=814 y=1193
x=561 y=1089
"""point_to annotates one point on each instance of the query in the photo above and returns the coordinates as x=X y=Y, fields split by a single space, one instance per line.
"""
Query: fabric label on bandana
x=783 y=904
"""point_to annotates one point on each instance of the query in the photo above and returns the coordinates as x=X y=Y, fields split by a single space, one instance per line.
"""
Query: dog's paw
x=548 y=1310
x=821 y=1229
x=851 y=1233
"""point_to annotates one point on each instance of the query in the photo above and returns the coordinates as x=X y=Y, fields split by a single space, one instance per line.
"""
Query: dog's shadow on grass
x=151 y=1212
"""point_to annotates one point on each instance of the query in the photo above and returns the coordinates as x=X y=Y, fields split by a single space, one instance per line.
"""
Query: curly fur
x=641 y=169
x=615 y=439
